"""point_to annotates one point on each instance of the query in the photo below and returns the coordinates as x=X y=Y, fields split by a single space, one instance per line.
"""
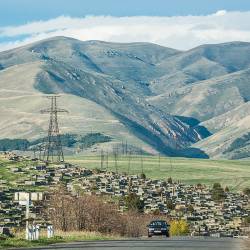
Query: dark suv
x=158 y=227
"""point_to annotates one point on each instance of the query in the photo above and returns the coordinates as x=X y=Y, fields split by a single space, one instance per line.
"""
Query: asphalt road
x=155 y=243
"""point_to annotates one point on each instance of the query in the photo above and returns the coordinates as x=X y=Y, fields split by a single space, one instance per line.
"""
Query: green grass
x=5 y=171
x=11 y=178
x=234 y=174
x=16 y=242
x=61 y=237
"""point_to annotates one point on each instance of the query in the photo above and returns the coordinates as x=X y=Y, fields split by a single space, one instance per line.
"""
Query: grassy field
x=234 y=174
x=5 y=171
x=61 y=237
x=11 y=178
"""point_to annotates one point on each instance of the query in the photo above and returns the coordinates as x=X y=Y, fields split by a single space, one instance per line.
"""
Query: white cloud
x=181 y=32
x=221 y=13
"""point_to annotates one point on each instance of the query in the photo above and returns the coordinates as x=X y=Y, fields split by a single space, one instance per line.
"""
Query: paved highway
x=155 y=243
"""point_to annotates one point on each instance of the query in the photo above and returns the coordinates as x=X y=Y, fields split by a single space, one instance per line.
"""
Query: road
x=155 y=243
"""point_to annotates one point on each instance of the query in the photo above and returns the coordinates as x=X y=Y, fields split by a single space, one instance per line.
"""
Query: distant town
x=209 y=211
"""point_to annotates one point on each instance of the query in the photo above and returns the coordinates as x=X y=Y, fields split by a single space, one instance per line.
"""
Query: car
x=158 y=227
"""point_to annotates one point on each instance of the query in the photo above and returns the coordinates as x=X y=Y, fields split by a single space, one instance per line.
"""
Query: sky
x=180 y=24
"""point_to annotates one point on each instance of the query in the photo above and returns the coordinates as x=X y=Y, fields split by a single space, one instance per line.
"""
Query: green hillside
x=234 y=174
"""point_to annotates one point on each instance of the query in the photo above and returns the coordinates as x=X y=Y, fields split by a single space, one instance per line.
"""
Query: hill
x=155 y=98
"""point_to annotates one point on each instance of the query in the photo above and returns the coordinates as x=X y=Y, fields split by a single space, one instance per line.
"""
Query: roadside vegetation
x=88 y=217
x=75 y=213
x=61 y=237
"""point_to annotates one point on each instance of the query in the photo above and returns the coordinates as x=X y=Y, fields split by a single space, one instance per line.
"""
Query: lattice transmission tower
x=53 y=151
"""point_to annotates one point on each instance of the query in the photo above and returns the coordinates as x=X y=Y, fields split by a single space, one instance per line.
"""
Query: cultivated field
x=234 y=174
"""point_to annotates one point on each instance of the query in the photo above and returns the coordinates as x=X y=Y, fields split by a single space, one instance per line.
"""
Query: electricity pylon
x=53 y=151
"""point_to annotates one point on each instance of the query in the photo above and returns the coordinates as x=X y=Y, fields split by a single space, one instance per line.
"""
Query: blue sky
x=15 y=12
x=180 y=24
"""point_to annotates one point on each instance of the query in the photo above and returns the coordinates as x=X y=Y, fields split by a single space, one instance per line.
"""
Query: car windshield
x=158 y=223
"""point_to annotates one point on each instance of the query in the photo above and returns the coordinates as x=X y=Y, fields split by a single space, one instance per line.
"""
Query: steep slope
x=223 y=144
x=227 y=119
x=206 y=99
x=231 y=134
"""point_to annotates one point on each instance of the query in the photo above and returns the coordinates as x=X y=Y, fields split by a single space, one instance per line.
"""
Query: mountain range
x=191 y=103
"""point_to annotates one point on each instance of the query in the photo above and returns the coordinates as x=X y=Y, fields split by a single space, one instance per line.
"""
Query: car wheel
x=167 y=235
x=149 y=235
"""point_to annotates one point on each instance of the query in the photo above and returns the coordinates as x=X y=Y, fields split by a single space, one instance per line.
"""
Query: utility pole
x=142 y=167
x=107 y=160
x=129 y=161
x=53 y=146
x=34 y=153
x=102 y=159
x=122 y=148
x=40 y=152
x=115 y=158
x=159 y=161
x=27 y=218
x=171 y=166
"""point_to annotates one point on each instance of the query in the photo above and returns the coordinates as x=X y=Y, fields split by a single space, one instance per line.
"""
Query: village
x=173 y=199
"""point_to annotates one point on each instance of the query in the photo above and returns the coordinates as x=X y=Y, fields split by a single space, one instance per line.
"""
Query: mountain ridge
x=131 y=82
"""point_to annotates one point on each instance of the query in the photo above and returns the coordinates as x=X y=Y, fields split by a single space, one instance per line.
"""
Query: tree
x=247 y=220
x=164 y=183
x=49 y=179
x=246 y=191
x=217 y=192
x=86 y=212
x=170 y=205
x=216 y=185
x=170 y=181
x=133 y=202
x=226 y=189
x=143 y=176
x=190 y=208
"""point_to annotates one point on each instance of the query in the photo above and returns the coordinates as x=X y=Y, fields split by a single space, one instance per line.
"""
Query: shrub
x=95 y=214
x=178 y=228
x=133 y=202
x=170 y=181
x=246 y=191
x=217 y=192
